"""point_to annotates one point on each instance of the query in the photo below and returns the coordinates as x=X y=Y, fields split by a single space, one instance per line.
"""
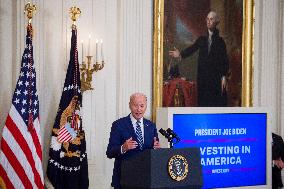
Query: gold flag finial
x=75 y=12
x=30 y=9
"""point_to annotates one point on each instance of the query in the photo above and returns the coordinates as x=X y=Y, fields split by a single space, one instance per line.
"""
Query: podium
x=150 y=170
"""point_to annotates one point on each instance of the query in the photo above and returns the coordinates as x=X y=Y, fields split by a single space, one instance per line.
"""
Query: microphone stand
x=170 y=140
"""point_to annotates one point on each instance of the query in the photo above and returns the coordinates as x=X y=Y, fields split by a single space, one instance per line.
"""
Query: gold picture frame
x=247 y=54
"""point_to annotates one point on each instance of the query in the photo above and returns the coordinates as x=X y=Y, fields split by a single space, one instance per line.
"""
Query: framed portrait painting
x=178 y=24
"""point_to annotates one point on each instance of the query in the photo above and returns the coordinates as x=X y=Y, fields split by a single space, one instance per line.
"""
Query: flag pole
x=30 y=10
x=75 y=12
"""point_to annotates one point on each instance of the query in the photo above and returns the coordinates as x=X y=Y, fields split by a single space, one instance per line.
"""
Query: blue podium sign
x=232 y=146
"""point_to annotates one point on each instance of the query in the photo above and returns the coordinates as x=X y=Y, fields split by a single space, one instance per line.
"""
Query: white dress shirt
x=210 y=33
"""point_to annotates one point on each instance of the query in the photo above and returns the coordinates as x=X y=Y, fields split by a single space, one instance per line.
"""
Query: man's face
x=138 y=106
x=211 y=21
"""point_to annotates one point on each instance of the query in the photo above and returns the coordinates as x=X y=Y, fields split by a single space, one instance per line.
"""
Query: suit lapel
x=146 y=132
x=130 y=127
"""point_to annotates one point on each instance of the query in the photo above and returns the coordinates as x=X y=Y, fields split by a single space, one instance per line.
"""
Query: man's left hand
x=156 y=143
x=224 y=84
x=279 y=163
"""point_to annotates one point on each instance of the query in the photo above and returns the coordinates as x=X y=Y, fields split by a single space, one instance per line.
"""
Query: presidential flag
x=21 y=154
x=67 y=165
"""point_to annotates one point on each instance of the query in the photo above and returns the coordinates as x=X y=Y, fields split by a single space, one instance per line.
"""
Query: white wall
x=126 y=28
x=268 y=56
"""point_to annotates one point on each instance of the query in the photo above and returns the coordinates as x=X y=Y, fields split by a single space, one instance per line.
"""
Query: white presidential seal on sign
x=178 y=167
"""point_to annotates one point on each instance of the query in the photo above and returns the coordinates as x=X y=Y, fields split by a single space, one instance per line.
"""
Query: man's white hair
x=215 y=16
x=134 y=95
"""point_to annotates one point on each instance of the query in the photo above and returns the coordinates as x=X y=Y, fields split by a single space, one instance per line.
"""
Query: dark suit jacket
x=121 y=130
x=211 y=67
x=277 y=152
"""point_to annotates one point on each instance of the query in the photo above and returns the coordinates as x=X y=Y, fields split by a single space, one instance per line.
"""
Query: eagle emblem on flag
x=70 y=124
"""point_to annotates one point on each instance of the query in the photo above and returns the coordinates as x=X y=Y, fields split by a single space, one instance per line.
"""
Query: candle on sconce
x=82 y=44
x=89 y=45
x=102 y=51
x=97 y=50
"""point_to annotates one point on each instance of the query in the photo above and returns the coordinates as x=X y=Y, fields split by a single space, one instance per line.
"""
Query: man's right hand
x=175 y=53
x=129 y=144
x=279 y=163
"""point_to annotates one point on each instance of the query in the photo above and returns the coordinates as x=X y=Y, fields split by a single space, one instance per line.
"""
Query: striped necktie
x=138 y=132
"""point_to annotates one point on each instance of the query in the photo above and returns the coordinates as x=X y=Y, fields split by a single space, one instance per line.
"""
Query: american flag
x=67 y=164
x=21 y=153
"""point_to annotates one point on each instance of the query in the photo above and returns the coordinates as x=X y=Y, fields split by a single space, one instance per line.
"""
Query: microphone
x=164 y=133
x=173 y=134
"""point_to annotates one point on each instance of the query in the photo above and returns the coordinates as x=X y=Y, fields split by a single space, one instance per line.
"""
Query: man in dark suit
x=131 y=135
x=277 y=158
x=213 y=64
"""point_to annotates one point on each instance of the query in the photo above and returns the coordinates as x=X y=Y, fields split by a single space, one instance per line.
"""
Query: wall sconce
x=88 y=68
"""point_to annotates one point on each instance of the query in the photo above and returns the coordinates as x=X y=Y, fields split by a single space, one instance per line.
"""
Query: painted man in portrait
x=213 y=64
